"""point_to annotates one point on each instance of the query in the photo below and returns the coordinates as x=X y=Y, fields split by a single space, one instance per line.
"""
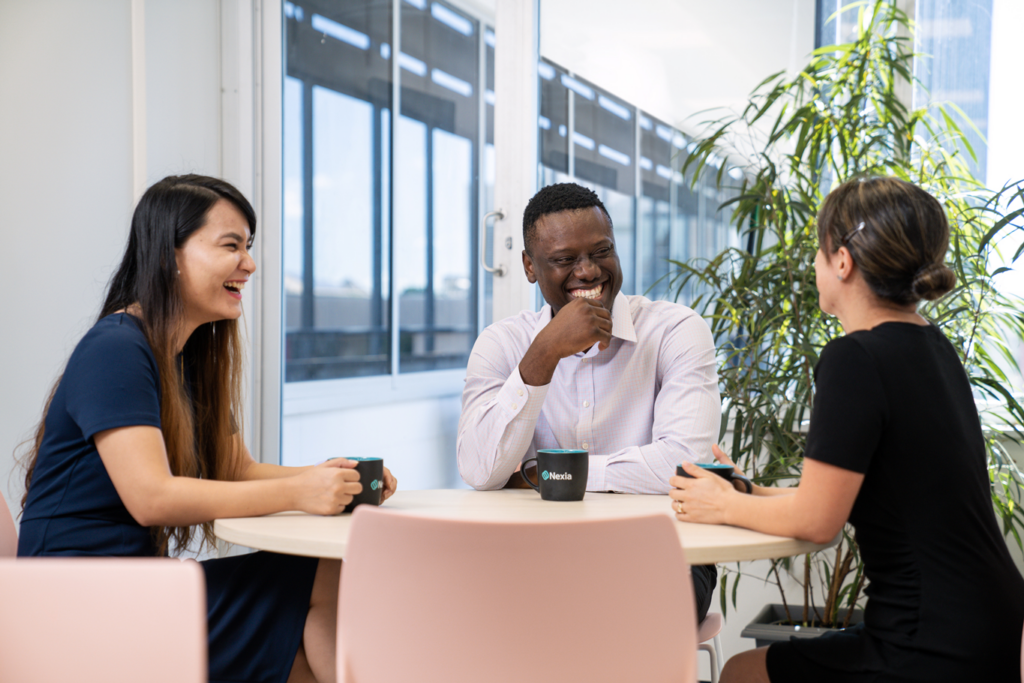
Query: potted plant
x=842 y=117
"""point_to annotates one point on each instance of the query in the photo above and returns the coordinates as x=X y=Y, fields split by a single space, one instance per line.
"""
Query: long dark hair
x=198 y=429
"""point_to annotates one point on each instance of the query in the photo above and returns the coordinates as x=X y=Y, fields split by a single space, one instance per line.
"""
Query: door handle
x=499 y=270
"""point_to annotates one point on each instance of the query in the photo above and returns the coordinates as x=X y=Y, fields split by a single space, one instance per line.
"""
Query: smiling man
x=630 y=380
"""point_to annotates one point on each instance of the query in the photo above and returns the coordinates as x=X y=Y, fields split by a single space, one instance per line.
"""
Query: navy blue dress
x=256 y=604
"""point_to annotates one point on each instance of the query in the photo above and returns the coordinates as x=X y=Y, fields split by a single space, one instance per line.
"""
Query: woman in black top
x=141 y=444
x=895 y=447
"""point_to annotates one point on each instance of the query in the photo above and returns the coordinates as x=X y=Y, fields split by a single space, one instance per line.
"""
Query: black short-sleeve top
x=895 y=404
x=111 y=380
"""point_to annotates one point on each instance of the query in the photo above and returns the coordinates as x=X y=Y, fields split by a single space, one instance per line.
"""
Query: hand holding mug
x=327 y=488
x=724 y=459
x=371 y=475
x=699 y=495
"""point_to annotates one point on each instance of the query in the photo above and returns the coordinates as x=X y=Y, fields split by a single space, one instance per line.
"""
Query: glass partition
x=337 y=100
x=341 y=234
x=656 y=176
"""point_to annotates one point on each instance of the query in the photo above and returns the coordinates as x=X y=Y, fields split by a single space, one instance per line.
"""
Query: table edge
x=336 y=549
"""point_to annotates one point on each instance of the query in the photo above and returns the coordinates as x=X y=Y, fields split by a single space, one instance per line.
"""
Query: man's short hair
x=553 y=199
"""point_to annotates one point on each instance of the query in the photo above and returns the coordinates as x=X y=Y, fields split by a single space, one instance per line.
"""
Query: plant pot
x=765 y=630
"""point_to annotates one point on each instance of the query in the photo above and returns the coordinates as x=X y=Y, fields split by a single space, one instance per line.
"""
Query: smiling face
x=214 y=264
x=574 y=256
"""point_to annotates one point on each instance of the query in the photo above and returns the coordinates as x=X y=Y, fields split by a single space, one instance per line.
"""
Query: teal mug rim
x=364 y=459
x=561 y=450
x=714 y=466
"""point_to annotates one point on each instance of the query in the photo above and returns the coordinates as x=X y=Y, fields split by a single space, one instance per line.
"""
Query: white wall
x=183 y=88
x=415 y=438
x=1006 y=99
x=66 y=169
x=65 y=190
x=1005 y=133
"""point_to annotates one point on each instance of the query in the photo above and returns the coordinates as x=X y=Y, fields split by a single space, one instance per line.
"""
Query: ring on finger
x=678 y=505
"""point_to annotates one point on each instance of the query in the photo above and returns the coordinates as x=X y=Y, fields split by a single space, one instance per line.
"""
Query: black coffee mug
x=726 y=472
x=562 y=473
x=371 y=476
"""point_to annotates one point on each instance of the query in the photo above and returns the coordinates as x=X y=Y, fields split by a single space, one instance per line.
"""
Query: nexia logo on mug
x=557 y=476
x=376 y=484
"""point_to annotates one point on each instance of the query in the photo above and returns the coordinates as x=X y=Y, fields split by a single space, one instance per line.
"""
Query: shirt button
x=586 y=404
x=513 y=406
x=519 y=391
x=586 y=445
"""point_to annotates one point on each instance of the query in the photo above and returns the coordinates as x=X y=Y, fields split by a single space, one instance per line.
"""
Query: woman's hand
x=703 y=498
x=327 y=488
x=390 y=485
x=724 y=459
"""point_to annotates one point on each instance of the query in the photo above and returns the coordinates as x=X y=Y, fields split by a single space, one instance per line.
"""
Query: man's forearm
x=496 y=428
x=640 y=469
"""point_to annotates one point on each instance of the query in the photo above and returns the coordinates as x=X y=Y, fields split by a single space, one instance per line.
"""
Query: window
x=952 y=42
x=375 y=287
x=658 y=166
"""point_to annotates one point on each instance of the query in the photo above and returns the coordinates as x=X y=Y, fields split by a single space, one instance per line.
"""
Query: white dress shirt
x=640 y=407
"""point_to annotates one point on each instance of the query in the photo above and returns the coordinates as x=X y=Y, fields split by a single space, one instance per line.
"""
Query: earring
x=838 y=277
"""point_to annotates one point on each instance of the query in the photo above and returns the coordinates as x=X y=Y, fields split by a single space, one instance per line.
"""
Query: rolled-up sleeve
x=499 y=414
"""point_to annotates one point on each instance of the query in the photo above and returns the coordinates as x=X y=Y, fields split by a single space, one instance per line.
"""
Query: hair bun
x=932 y=281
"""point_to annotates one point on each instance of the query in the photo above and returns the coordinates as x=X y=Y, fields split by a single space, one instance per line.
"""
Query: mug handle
x=522 y=473
x=746 y=482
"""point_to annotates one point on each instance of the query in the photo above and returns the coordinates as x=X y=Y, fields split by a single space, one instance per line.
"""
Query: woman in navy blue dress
x=895 y=447
x=140 y=445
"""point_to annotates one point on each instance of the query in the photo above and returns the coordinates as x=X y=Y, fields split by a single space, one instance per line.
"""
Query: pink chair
x=8 y=534
x=457 y=601
x=97 y=620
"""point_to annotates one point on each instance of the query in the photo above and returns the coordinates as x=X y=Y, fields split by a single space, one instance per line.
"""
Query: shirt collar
x=622 y=319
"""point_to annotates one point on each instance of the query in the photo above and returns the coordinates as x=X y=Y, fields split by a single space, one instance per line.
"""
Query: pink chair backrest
x=8 y=534
x=454 y=601
x=93 y=620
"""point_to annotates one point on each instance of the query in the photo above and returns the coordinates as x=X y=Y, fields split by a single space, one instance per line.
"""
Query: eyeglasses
x=845 y=239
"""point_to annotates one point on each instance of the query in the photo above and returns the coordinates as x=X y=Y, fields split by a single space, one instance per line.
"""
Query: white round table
x=298 y=533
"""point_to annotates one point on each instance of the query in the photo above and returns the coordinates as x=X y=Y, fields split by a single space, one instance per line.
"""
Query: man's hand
x=578 y=326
